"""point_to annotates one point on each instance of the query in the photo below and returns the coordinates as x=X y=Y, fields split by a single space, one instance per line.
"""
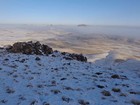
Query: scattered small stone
x=66 y=64
x=63 y=53
x=37 y=59
x=124 y=77
x=55 y=91
x=125 y=85
x=135 y=102
x=98 y=73
x=122 y=94
x=103 y=98
x=63 y=78
x=109 y=68
x=35 y=102
x=115 y=76
x=55 y=69
x=75 y=78
x=91 y=88
x=22 y=97
x=53 y=55
x=116 y=90
x=82 y=102
x=106 y=93
x=3 y=101
x=6 y=59
x=30 y=78
x=45 y=103
x=30 y=85
x=132 y=92
x=10 y=73
x=13 y=66
x=53 y=82
x=66 y=99
x=22 y=61
x=114 y=100
x=15 y=76
x=94 y=76
x=103 y=80
x=10 y=90
x=68 y=88
x=40 y=86
x=100 y=86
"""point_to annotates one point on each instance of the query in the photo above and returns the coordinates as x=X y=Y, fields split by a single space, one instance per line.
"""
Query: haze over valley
x=125 y=41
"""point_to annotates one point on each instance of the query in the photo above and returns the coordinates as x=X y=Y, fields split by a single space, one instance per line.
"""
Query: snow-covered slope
x=52 y=80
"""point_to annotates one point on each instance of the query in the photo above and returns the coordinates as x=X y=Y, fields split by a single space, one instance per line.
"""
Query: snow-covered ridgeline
x=53 y=80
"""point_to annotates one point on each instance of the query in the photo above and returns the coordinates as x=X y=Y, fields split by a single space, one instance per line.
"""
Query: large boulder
x=30 y=48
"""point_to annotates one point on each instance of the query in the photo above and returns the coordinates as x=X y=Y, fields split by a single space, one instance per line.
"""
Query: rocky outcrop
x=78 y=57
x=30 y=48
x=41 y=49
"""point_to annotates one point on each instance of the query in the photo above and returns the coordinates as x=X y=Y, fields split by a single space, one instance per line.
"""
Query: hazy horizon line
x=70 y=24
